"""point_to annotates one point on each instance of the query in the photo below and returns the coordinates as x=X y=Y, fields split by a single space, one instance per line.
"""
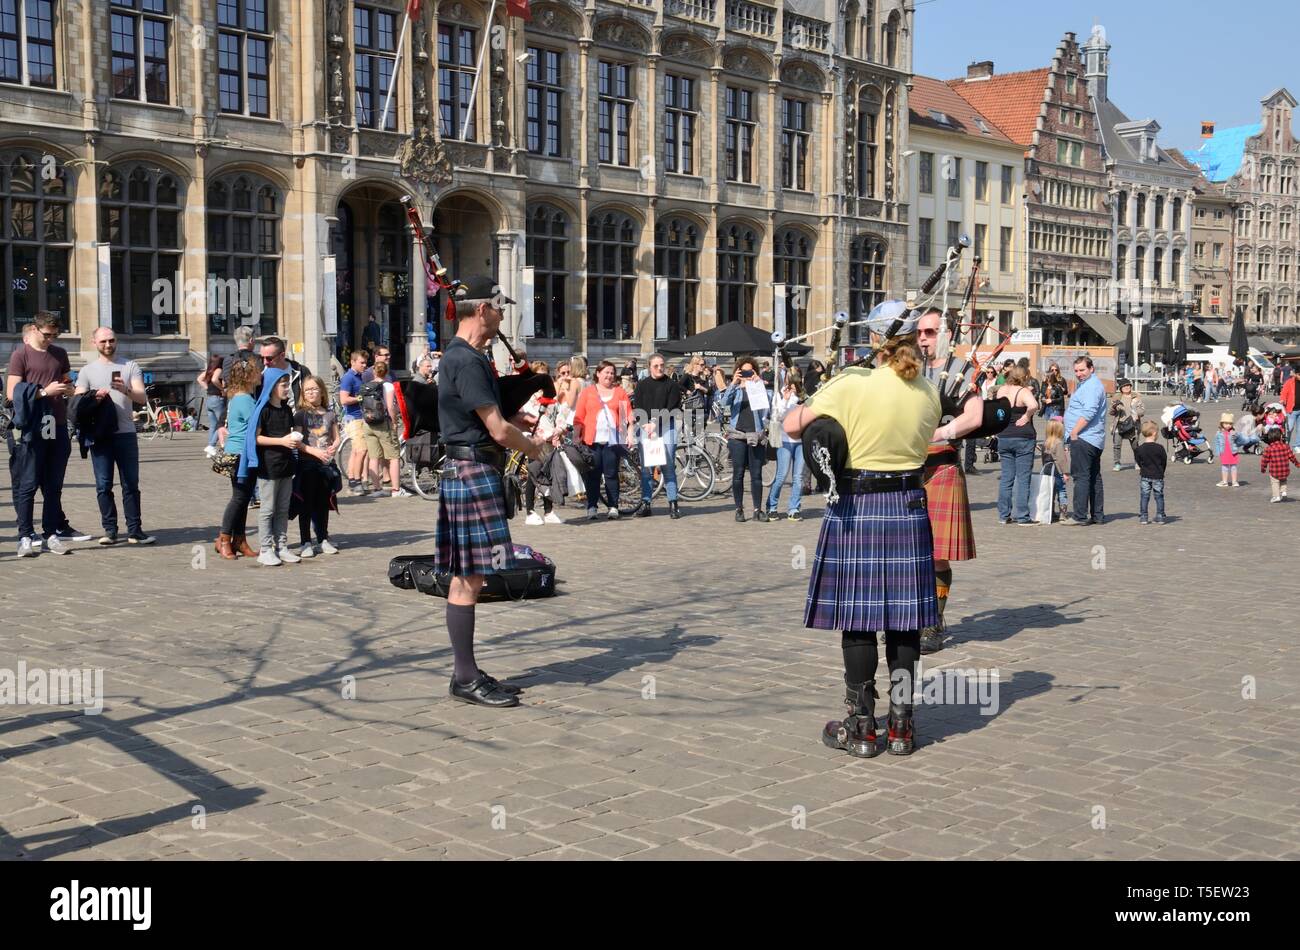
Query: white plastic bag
x=1042 y=487
x=653 y=453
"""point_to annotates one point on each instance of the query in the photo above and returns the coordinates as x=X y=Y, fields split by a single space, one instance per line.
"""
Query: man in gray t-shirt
x=123 y=383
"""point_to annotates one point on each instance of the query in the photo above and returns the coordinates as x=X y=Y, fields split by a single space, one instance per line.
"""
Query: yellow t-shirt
x=888 y=422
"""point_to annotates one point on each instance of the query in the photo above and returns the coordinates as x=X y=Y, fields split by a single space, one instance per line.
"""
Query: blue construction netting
x=1219 y=158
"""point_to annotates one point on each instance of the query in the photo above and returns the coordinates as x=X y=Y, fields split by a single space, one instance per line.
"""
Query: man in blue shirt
x=1085 y=426
x=350 y=397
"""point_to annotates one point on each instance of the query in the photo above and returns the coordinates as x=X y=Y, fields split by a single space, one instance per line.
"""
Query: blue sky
x=1176 y=61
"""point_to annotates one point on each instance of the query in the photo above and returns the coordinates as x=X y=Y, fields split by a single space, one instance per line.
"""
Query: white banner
x=329 y=296
x=105 y=286
x=1028 y=336
x=778 y=308
x=661 y=308
x=527 y=326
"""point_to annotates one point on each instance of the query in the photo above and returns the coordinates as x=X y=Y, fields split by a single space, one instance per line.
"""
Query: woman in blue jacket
x=745 y=434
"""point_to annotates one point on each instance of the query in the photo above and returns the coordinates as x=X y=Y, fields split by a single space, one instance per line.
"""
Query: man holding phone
x=43 y=462
x=122 y=382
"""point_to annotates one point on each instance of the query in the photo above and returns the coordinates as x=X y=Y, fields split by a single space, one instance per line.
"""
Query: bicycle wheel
x=426 y=479
x=714 y=445
x=343 y=454
x=629 y=478
x=695 y=473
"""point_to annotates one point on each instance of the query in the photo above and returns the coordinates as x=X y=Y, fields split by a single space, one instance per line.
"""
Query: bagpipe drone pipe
x=516 y=388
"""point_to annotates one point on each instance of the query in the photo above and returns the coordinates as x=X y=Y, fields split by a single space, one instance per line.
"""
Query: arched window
x=1160 y=212
x=1177 y=222
x=1121 y=209
x=35 y=239
x=243 y=216
x=140 y=221
x=737 y=274
x=677 y=259
x=867 y=151
x=851 y=28
x=612 y=240
x=867 y=256
x=889 y=43
x=793 y=260
x=547 y=254
x=869 y=29
x=1141 y=216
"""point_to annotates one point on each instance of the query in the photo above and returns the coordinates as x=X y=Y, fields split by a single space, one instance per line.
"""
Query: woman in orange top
x=603 y=420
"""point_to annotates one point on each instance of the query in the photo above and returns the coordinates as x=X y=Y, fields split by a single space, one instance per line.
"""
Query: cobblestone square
x=1147 y=692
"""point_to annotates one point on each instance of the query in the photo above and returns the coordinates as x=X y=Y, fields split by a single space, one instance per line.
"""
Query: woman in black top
x=1055 y=392
x=215 y=403
x=1016 y=444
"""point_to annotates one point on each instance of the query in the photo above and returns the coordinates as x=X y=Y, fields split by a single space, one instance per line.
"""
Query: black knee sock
x=860 y=656
x=902 y=651
x=460 y=627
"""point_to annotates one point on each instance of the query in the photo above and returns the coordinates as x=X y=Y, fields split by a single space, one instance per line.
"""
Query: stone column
x=416 y=339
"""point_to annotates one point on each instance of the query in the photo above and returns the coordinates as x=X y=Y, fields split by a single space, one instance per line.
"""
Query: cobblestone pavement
x=1148 y=701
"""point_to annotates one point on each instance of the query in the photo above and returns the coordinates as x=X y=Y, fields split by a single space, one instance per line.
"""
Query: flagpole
x=397 y=68
x=478 y=71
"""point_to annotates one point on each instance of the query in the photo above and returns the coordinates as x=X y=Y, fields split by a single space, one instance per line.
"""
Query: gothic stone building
x=633 y=169
x=1049 y=114
x=1259 y=167
x=1151 y=197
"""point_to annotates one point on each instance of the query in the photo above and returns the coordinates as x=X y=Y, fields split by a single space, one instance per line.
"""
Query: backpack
x=373 y=409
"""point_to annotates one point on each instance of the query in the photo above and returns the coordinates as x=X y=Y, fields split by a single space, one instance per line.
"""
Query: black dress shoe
x=504 y=687
x=643 y=510
x=673 y=510
x=760 y=515
x=482 y=692
x=740 y=514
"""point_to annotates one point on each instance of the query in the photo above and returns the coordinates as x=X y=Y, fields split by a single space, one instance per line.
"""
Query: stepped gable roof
x=933 y=95
x=1011 y=101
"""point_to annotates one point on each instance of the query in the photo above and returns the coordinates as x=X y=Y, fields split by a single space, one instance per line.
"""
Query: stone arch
x=687 y=47
x=622 y=32
x=803 y=73
x=748 y=61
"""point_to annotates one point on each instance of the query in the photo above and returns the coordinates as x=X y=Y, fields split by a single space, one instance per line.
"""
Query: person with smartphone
x=745 y=432
x=42 y=461
x=122 y=383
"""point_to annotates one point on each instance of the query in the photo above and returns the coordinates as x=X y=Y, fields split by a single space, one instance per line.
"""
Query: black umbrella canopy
x=1144 y=345
x=1183 y=328
x=1238 y=344
x=730 y=339
x=1169 y=353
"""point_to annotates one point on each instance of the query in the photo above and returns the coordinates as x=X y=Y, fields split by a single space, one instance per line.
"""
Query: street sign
x=329 y=295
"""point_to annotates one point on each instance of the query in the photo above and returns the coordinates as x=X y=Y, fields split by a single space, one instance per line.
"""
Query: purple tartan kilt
x=472 y=521
x=874 y=567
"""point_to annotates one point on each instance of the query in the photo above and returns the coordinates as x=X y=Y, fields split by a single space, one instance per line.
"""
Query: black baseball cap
x=482 y=288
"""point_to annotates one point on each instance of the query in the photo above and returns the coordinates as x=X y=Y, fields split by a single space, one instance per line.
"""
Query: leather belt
x=856 y=482
x=490 y=454
x=946 y=457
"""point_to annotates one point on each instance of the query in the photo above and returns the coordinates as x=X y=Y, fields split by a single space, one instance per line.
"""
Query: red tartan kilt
x=945 y=495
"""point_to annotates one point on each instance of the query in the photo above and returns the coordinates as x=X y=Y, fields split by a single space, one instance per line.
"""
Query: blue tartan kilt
x=473 y=532
x=874 y=567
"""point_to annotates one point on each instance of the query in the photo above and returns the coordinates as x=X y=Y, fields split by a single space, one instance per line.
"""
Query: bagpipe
x=825 y=444
x=516 y=388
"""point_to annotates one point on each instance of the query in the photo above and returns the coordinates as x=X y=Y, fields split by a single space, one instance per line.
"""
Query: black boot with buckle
x=856 y=733
x=901 y=739
x=673 y=510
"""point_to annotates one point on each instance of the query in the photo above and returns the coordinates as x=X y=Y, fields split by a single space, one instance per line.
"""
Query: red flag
x=413 y=9
x=518 y=8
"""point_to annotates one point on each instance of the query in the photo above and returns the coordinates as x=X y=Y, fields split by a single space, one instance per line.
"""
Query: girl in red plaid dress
x=1277 y=461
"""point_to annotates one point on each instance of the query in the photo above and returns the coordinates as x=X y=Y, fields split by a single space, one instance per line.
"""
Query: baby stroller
x=1180 y=427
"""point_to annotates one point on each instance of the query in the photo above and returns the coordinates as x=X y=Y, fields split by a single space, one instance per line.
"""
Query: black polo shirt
x=466 y=382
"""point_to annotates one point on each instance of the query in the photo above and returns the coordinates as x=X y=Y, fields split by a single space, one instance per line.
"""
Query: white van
x=1218 y=356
